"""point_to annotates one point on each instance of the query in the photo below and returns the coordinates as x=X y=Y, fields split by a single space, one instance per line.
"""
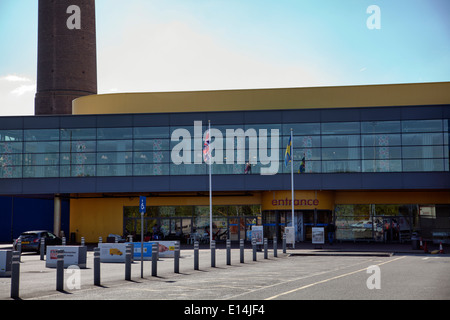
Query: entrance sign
x=318 y=235
x=73 y=256
x=290 y=235
x=258 y=234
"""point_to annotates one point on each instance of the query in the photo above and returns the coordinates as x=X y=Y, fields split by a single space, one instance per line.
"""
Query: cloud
x=14 y=78
x=16 y=95
x=20 y=91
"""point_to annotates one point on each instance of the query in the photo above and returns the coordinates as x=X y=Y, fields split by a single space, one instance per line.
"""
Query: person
x=248 y=168
x=331 y=229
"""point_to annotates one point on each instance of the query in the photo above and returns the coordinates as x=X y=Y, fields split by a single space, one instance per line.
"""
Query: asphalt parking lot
x=296 y=275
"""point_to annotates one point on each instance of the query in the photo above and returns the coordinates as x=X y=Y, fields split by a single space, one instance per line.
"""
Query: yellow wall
x=266 y=99
x=97 y=217
x=91 y=218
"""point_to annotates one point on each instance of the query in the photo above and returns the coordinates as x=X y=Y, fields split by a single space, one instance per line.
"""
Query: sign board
x=142 y=204
x=112 y=252
x=166 y=249
x=5 y=263
x=73 y=256
x=318 y=235
x=290 y=235
x=258 y=234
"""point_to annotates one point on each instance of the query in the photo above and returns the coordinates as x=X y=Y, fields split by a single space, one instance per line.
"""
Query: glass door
x=234 y=227
x=386 y=229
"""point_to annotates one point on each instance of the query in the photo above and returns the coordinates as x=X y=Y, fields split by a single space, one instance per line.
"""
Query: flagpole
x=210 y=188
x=292 y=184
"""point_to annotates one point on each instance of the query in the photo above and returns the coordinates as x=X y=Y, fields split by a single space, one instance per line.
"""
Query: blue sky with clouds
x=149 y=45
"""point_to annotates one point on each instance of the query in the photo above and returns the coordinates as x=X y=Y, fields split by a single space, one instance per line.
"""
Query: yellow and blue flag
x=302 y=167
x=287 y=155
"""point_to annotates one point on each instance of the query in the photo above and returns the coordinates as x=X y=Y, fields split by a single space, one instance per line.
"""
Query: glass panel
x=152 y=157
x=340 y=141
x=353 y=222
x=40 y=171
x=301 y=129
x=380 y=127
x=340 y=127
x=114 y=170
x=79 y=170
x=382 y=165
x=151 y=145
x=41 y=159
x=381 y=140
x=187 y=169
x=422 y=139
x=341 y=166
x=11 y=135
x=114 y=133
x=340 y=153
x=423 y=152
x=41 y=147
x=422 y=126
x=11 y=147
x=8 y=172
x=150 y=169
x=151 y=132
x=423 y=165
x=381 y=153
x=114 y=157
x=41 y=134
x=115 y=145
x=79 y=134
x=78 y=146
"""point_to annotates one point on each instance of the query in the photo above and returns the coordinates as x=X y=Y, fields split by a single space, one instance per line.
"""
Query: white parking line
x=326 y=280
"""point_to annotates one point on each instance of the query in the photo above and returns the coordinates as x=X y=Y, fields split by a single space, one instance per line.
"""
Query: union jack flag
x=206 y=147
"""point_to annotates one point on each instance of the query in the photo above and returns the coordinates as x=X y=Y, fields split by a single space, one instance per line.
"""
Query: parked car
x=31 y=240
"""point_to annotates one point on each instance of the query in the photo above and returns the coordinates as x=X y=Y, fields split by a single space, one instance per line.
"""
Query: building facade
x=366 y=158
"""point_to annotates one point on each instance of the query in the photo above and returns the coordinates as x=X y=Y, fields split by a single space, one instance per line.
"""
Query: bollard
x=155 y=259
x=284 y=242
x=63 y=241
x=116 y=240
x=60 y=271
x=213 y=253
x=19 y=248
x=96 y=266
x=254 y=249
x=128 y=263
x=265 y=248
x=241 y=248
x=82 y=241
x=42 y=248
x=100 y=240
x=228 y=252
x=176 y=261
x=15 y=274
x=196 y=255
x=275 y=249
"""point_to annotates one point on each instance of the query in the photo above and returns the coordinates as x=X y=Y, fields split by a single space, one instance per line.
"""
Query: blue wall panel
x=23 y=214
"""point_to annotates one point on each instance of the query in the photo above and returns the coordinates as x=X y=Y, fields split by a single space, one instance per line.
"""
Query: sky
x=184 y=45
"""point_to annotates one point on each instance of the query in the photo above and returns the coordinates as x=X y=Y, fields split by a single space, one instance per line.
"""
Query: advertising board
x=72 y=255
x=166 y=249
x=5 y=263
x=318 y=235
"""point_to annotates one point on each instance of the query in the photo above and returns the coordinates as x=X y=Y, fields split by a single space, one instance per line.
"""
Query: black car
x=31 y=240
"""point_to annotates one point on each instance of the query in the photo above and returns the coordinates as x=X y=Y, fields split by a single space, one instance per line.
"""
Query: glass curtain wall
x=329 y=147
